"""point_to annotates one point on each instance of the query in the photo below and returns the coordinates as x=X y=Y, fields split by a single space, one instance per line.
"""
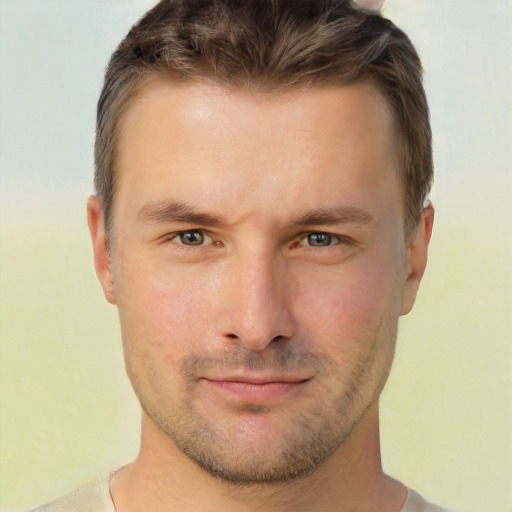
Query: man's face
x=259 y=265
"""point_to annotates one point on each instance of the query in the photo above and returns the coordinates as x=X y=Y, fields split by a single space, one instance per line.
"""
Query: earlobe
x=96 y=224
x=417 y=255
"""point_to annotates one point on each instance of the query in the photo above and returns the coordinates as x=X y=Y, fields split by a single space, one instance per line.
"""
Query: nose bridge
x=254 y=303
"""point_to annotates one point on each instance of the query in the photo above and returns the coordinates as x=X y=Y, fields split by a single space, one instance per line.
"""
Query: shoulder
x=415 y=503
x=92 y=497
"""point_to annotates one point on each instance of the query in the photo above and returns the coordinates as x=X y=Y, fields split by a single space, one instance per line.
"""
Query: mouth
x=256 y=388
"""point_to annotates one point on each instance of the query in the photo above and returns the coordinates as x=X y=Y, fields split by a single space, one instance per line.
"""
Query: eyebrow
x=177 y=211
x=330 y=216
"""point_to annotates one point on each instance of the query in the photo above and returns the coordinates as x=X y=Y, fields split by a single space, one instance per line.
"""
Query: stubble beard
x=303 y=446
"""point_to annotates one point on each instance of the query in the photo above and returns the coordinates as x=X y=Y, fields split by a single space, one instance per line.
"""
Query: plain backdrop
x=67 y=412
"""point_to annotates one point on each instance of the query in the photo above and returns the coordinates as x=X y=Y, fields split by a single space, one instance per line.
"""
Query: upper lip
x=258 y=378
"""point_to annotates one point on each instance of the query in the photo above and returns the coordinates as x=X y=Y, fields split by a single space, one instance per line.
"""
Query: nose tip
x=257 y=328
x=254 y=343
x=254 y=306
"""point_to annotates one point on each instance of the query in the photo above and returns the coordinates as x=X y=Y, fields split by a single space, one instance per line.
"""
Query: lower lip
x=254 y=393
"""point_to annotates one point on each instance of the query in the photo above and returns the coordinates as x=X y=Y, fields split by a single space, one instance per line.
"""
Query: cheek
x=348 y=305
x=164 y=314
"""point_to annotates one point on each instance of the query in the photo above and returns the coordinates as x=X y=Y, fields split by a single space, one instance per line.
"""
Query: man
x=261 y=222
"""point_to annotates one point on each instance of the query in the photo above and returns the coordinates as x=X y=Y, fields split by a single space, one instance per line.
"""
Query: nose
x=254 y=306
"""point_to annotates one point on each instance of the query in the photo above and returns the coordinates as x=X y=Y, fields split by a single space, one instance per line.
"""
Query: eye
x=193 y=237
x=320 y=240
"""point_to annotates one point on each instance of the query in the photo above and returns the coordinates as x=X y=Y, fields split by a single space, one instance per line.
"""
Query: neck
x=163 y=479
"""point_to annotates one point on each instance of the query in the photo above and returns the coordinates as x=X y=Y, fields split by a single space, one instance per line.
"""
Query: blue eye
x=192 y=237
x=320 y=239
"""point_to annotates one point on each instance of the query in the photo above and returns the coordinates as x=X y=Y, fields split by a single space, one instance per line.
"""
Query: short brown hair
x=271 y=44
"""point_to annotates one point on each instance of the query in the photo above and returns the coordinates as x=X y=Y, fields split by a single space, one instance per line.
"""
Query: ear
x=417 y=251
x=96 y=224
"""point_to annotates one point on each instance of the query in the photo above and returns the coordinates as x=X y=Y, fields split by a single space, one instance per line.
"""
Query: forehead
x=191 y=100
x=196 y=139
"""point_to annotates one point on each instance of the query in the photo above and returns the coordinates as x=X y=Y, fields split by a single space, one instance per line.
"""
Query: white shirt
x=95 y=497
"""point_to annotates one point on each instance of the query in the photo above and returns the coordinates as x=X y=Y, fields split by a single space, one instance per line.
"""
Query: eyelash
x=171 y=238
x=337 y=239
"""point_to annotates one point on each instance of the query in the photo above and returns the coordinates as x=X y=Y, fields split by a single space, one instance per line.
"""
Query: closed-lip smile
x=254 y=387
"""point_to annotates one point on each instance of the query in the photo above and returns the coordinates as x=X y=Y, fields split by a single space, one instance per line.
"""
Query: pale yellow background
x=67 y=412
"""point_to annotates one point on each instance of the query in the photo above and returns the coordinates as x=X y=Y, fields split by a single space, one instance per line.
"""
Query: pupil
x=319 y=239
x=192 y=238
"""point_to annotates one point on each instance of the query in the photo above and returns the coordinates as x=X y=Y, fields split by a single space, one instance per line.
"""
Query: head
x=262 y=169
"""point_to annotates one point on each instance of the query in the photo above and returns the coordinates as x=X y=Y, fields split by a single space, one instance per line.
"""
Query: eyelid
x=336 y=238
x=174 y=238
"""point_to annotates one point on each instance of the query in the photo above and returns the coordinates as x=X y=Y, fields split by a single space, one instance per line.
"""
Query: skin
x=259 y=264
